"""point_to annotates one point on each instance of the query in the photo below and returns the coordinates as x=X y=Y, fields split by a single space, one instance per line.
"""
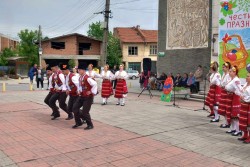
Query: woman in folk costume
x=223 y=100
x=213 y=96
x=233 y=89
x=107 y=89
x=121 y=86
x=244 y=118
x=92 y=74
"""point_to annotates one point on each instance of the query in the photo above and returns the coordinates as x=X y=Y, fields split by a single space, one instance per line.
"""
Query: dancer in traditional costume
x=107 y=89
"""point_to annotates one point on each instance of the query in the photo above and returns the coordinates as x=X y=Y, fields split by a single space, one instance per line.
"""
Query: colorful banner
x=234 y=34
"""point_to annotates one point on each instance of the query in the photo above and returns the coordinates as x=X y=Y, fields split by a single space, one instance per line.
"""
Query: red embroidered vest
x=53 y=83
x=58 y=80
x=85 y=86
x=72 y=86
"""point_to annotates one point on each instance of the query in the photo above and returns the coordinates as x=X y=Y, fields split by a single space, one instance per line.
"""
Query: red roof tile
x=136 y=35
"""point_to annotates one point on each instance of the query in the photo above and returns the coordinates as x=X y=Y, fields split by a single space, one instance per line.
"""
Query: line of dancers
x=228 y=98
x=81 y=88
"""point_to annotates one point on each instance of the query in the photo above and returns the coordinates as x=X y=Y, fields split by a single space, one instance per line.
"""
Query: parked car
x=133 y=74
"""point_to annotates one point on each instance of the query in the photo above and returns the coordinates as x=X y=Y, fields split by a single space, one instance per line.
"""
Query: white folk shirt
x=91 y=82
x=63 y=86
x=50 y=81
x=245 y=93
x=215 y=79
x=107 y=75
x=75 y=80
x=225 y=79
x=93 y=74
x=234 y=86
x=121 y=75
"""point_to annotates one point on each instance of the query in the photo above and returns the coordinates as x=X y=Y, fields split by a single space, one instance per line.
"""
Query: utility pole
x=105 y=33
x=40 y=45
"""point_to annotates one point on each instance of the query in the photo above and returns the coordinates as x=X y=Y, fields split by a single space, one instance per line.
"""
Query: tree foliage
x=27 y=46
x=7 y=52
x=114 y=56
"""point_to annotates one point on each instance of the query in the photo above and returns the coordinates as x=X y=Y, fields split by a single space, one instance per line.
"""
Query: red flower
x=226 y=38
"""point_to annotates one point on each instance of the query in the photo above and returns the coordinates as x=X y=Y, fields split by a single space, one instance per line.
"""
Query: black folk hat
x=82 y=66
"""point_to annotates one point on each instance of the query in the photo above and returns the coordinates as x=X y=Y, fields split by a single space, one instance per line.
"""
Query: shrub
x=2 y=73
x=12 y=71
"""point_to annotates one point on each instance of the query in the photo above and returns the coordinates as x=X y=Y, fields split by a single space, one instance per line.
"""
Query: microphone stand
x=204 y=99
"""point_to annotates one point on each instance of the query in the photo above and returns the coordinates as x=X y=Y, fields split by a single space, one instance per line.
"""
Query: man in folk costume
x=233 y=89
x=214 y=93
x=60 y=91
x=107 y=88
x=72 y=84
x=87 y=90
x=51 y=87
x=121 y=86
x=223 y=101
x=244 y=118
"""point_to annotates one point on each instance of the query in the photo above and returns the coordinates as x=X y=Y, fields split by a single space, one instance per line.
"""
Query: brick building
x=7 y=42
x=137 y=44
x=72 y=46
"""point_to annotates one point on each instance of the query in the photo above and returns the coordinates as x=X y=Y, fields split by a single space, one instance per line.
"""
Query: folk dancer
x=233 y=89
x=51 y=87
x=87 y=90
x=244 y=118
x=72 y=84
x=214 y=93
x=107 y=89
x=60 y=91
x=121 y=89
x=223 y=101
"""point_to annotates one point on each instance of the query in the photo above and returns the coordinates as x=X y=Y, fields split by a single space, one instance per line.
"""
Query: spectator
x=40 y=77
x=198 y=77
x=152 y=81
x=32 y=73
x=191 y=83
x=184 y=80
x=177 y=80
x=160 y=81
x=114 y=70
x=141 y=79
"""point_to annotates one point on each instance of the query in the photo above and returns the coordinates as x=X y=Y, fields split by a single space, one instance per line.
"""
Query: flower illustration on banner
x=227 y=9
x=226 y=38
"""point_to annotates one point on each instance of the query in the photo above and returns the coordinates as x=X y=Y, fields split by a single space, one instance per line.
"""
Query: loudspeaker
x=146 y=64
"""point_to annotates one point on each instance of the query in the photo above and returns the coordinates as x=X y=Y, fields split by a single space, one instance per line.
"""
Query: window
x=132 y=50
x=153 y=49
x=58 y=45
x=84 y=46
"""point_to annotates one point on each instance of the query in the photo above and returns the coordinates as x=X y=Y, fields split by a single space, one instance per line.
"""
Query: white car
x=133 y=74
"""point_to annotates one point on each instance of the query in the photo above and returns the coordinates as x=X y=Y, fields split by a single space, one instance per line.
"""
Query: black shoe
x=52 y=114
x=76 y=125
x=242 y=139
x=231 y=131
x=83 y=121
x=224 y=126
x=215 y=120
x=89 y=127
x=210 y=115
x=117 y=104
x=122 y=104
x=236 y=134
x=104 y=104
x=55 y=116
x=70 y=116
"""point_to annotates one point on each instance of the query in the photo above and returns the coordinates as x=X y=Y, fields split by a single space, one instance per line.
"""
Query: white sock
x=106 y=100
x=103 y=100
x=119 y=101
x=123 y=100
x=232 y=125
x=226 y=120
x=237 y=128
x=216 y=115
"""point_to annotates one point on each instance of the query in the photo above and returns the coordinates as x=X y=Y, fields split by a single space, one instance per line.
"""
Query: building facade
x=71 y=47
x=137 y=44
x=185 y=33
x=7 y=42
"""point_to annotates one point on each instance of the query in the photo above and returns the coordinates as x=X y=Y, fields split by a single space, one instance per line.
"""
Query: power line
x=124 y=2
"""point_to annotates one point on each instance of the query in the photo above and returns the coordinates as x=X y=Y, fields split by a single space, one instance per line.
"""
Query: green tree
x=72 y=63
x=114 y=56
x=7 y=52
x=27 y=46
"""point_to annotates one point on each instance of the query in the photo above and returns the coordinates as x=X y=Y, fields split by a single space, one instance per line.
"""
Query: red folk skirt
x=107 y=89
x=232 y=106
x=213 y=96
x=244 y=118
x=121 y=88
x=223 y=102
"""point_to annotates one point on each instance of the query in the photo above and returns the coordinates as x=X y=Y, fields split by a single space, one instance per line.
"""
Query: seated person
x=160 y=81
x=152 y=81
x=184 y=79
x=191 y=83
x=177 y=80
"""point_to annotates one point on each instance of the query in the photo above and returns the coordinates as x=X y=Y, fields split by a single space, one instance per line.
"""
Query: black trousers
x=198 y=86
x=46 y=100
x=61 y=97
x=114 y=83
x=38 y=81
x=72 y=100
x=86 y=103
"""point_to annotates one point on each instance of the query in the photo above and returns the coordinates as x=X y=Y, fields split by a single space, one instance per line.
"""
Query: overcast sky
x=58 y=17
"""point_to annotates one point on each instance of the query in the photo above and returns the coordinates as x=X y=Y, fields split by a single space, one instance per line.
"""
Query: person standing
x=191 y=83
x=198 y=77
x=114 y=70
x=51 y=88
x=223 y=101
x=39 y=77
x=92 y=74
x=107 y=89
x=213 y=96
x=72 y=84
x=32 y=73
x=60 y=91
x=121 y=89
x=233 y=89
x=244 y=118
x=87 y=90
